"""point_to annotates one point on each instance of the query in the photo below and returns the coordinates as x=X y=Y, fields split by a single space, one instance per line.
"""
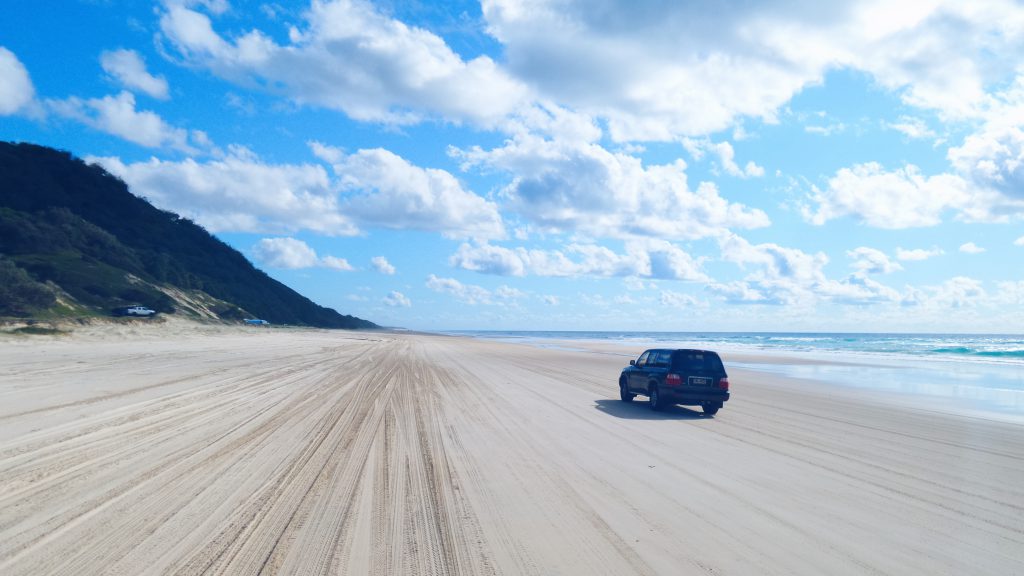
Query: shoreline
x=321 y=451
x=901 y=379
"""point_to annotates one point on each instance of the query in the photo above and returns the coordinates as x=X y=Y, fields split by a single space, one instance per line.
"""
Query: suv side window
x=643 y=359
x=664 y=358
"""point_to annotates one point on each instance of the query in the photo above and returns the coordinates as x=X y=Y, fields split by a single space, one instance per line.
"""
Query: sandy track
x=312 y=452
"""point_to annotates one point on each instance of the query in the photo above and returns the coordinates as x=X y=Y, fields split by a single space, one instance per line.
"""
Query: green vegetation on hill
x=72 y=228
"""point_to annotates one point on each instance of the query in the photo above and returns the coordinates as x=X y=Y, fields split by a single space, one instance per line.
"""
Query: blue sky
x=564 y=164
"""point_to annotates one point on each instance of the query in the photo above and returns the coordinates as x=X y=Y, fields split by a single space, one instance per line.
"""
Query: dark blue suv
x=666 y=377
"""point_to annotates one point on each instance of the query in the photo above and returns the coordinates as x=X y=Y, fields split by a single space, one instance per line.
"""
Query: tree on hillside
x=20 y=295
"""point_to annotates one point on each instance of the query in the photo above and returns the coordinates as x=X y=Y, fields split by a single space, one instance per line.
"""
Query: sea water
x=980 y=371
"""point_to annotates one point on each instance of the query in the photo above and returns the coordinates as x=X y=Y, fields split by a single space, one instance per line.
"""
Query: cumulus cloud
x=473 y=294
x=396 y=299
x=993 y=156
x=658 y=72
x=335 y=263
x=128 y=68
x=117 y=115
x=388 y=191
x=903 y=198
x=16 y=90
x=1019 y=241
x=374 y=188
x=677 y=299
x=958 y=292
x=648 y=258
x=971 y=248
x=726 y=157
x=917 y=254
x=238 y=193
x=911 y=127
x=577 y=186
x=738 y=292
x=871 y=261
x=381 y=264
x=636 y=284
x=662 y=70
x=788 y=276
x=291 y=253
x=349 y=56
x=1010 y=293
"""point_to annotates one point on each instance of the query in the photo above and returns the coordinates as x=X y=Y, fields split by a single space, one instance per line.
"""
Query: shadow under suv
x=666 y=377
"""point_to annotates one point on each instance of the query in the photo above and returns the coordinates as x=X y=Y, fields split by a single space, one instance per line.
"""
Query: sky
x=564 y=164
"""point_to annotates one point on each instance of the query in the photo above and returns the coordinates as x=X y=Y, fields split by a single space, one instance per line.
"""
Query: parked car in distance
x=256 y=322
x=134 y=311
x=667 y=377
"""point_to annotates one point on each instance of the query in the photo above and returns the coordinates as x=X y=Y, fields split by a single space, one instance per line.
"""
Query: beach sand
x=172 y=448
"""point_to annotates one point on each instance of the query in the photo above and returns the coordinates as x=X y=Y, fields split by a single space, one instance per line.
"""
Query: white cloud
x=662 y=70
x=290 y=253
x=899 y=199
x=971 y=248
x=911 y=127
x=16 y=90
x=857 y=289
x=284 y=253
x=117 y=115
x=335 y=263
x=826 y=130
x=473 y=294
x=636 y=284
x=349 y=56
x=1019 y=241
x=504 y=292
x=738 y=292
x=642 y=258
x=957 y=292
x=789 y=276
x=550 y=300
x=128 y=68
x=993 y=156
x=1010 y=293
x=726 y=157
x=381 y=264
x=775 y=262
x=677 y=299
x=468 y=293
x=577 y=186
x=238 y=193
x=917 y=254
x=241 y=193
x=397 y=300
x=871 y=261
x=388 y=191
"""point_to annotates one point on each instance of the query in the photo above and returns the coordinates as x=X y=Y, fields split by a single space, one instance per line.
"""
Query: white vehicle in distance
x=137 y=311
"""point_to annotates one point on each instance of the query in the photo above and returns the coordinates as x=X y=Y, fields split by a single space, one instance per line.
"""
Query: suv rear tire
x=711 y=409
x=654 y=398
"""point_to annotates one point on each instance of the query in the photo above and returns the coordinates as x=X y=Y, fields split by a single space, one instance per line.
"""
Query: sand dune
x=222 y=451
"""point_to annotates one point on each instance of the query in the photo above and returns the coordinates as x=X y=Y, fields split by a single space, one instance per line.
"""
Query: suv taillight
x=673 y=380
x=723 y=383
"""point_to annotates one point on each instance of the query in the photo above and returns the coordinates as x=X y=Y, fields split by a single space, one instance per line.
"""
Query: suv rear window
x=690 y=361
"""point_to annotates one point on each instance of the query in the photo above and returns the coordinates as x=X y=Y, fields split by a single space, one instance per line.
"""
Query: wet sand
x=175 y=449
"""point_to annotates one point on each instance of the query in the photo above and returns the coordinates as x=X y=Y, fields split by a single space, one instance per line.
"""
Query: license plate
x=698 y=381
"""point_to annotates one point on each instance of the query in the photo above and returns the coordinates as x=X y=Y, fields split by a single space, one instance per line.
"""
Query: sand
x=168 y=449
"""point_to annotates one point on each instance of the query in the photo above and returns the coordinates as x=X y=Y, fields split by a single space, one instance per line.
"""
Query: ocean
x=980 y=371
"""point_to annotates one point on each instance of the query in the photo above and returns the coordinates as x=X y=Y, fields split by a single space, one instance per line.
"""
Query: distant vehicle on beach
x=256 y=322
x=134 y=311
x=687 y=377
